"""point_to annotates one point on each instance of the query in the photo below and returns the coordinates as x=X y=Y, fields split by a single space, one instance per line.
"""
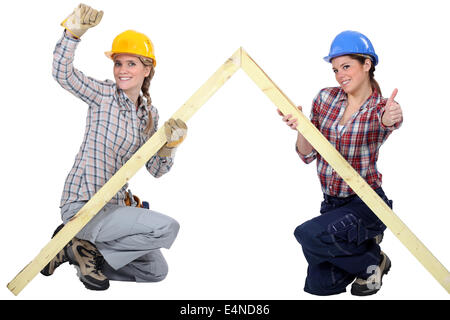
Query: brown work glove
x=81 y=19
x=176 y=131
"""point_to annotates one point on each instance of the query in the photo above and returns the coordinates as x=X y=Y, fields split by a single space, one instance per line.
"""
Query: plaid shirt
x=114 y=129
x=358 y=142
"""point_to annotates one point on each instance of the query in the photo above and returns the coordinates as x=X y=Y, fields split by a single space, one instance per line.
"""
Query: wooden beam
x=239 y=59
x=345 y=170
x=122 y=176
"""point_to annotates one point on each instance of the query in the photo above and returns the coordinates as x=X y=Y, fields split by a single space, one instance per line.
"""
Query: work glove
x=81 y=19
x=175 y=131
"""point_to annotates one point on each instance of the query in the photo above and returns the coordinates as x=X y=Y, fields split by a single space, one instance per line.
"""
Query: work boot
x=371 y=285
x=59 y=259
x=88 y=261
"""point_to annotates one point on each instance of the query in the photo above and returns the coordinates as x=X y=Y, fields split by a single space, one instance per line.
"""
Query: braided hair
x=145 y=92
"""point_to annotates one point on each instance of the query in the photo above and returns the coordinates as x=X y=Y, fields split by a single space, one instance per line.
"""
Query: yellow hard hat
x=132 y=42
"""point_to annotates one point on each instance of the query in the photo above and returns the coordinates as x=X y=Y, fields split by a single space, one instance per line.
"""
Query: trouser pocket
x=350 y=229
x=344 y=229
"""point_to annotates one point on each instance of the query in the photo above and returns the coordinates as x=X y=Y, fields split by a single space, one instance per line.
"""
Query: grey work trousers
x=129 y=239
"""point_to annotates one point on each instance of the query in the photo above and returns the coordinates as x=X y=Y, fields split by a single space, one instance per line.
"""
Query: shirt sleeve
x=86 y=88
x=158 y=166
x=314 y=118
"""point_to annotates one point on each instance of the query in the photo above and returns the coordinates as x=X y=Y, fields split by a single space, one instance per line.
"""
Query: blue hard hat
x=351 y=42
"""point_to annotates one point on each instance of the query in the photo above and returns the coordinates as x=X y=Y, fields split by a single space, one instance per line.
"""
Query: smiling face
x=351 y=75
x=129 y=73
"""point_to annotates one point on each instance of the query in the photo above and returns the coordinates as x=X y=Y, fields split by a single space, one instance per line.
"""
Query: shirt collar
x=126 y=104
x=372 y=101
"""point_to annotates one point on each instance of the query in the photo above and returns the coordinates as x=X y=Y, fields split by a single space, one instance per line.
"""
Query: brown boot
x=58 y=260
x=88 y=261
x=371 y=285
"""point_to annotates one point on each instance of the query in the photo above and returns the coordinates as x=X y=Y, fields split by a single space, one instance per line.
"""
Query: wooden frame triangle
x=240 y=59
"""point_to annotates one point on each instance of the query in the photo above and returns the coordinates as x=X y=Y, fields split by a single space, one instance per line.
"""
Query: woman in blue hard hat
x=341 y=245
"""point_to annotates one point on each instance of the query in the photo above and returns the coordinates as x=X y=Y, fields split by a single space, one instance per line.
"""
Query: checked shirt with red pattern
x=358 y=141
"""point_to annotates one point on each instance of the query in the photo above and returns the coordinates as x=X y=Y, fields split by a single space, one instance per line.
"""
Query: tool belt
x=134 y=201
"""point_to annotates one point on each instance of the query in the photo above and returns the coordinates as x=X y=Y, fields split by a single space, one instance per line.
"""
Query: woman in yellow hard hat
x=120 y=242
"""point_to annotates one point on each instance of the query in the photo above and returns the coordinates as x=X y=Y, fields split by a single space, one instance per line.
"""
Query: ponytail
x=373 y=82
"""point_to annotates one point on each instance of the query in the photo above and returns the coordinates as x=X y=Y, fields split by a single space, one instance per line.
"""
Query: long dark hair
x=362 y=60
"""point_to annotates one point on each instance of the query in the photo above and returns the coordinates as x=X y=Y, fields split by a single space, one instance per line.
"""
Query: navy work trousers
x=339 y=244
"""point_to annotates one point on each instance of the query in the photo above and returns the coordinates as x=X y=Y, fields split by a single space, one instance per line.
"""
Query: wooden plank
x=122 y=176
x=185 y=112
x=345 y=170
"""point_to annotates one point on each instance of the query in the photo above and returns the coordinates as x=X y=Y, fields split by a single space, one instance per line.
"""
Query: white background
x=237 y=188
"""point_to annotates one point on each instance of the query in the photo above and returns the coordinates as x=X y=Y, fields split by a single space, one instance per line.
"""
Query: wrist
x=167 y=152
x=70 y=34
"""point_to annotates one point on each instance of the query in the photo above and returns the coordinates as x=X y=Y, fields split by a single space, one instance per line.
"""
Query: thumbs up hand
x=393 y=112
